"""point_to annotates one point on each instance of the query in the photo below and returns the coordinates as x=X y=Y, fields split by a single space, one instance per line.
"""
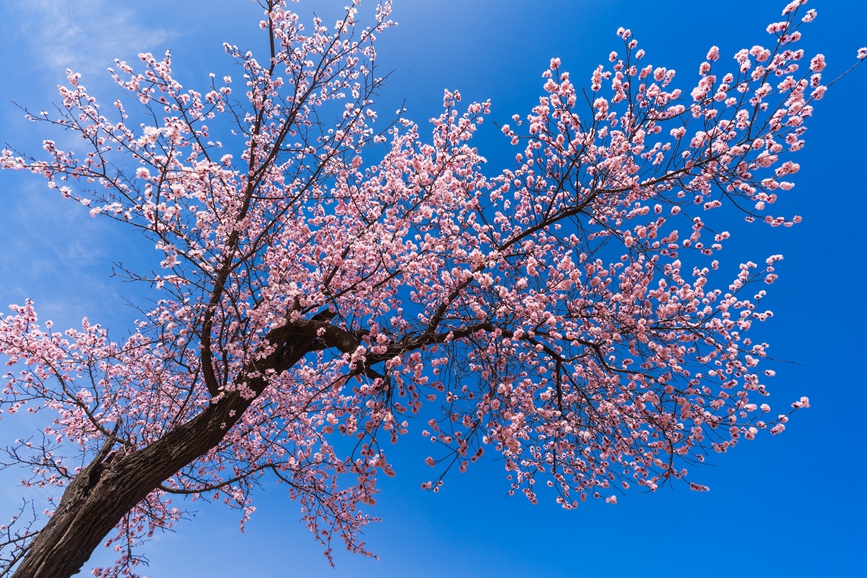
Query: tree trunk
x=99 y=497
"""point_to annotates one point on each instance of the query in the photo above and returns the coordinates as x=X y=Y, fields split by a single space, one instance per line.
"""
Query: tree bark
x=98 y=498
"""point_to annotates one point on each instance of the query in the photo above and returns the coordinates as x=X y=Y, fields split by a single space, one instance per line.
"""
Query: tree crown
x=325 y=279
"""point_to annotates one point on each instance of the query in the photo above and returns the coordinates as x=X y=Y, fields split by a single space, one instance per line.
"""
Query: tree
x=323 y=282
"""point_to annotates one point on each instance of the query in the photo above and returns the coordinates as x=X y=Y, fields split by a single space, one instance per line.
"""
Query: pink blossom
x=817 y=64
x=792 y=6
x=713 y=54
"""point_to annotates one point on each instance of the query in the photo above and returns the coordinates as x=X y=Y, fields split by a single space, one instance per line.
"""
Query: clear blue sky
x=789 y=505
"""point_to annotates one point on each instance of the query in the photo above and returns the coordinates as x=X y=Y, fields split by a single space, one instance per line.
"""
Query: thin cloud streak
x=86 y=35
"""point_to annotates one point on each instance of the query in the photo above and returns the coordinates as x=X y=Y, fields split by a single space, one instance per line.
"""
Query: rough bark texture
x=99 y=497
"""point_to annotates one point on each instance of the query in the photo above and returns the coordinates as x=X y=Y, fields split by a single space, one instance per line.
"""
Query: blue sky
x=789 y=505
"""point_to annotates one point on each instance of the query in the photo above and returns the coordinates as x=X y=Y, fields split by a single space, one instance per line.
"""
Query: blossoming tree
x=323 y=282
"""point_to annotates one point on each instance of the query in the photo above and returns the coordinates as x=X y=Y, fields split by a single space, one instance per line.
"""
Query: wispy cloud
x=85 y=35
x=52 y=251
